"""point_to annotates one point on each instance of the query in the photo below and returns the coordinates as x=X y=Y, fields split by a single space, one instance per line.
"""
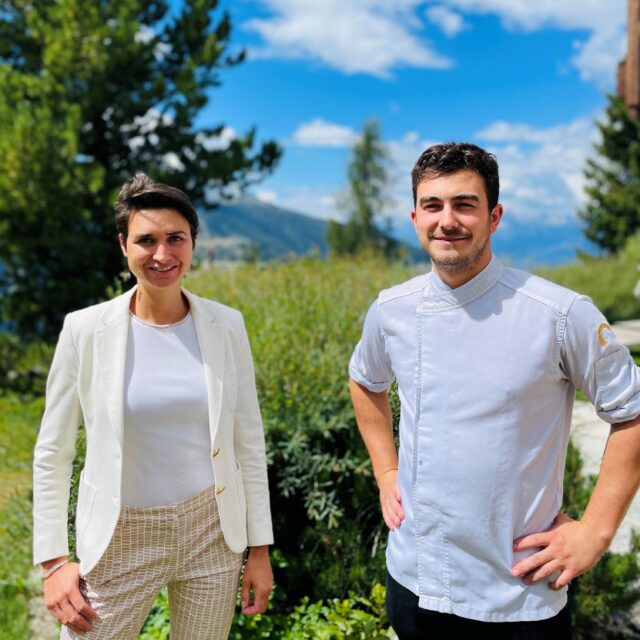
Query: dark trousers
x=411 y=622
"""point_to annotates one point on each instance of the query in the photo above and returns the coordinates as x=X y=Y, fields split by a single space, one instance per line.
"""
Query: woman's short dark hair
x=141 y=192
x=450 y=157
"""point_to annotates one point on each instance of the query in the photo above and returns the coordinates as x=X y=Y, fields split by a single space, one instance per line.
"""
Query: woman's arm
x=52 y=468
x=249 y=448
x=257 y=578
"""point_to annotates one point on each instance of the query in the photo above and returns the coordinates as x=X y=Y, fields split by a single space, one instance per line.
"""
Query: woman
x=174 y=486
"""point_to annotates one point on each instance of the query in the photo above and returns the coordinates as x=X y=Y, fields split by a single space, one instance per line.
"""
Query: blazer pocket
x=242 y=499
x=86 y=500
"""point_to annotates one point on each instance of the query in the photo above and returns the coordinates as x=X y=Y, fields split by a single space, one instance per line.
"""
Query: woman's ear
x=123 y=244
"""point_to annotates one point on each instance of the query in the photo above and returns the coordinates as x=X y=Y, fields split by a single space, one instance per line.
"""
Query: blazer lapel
x=212 y=338
x=111 y=352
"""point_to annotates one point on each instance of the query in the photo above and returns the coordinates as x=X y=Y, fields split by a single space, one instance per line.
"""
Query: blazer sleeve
x=55 y=450
x=250 y=447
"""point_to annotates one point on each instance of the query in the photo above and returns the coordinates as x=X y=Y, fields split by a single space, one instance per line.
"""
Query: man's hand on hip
x=390 y=499
x=569 y=547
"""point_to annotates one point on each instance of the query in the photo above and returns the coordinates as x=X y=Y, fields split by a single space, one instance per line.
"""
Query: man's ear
x=496 y=216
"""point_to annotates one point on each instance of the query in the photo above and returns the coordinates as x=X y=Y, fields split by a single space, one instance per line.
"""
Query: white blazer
x=86 y=384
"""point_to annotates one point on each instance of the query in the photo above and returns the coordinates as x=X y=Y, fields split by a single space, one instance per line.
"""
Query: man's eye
x=175 y=238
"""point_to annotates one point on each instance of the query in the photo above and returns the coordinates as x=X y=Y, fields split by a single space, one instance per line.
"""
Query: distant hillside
x=230 y=230
x=273 y=230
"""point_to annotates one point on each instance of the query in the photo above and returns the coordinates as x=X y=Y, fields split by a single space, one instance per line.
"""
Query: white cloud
x=450 y=22
x=541 y=169
x=221 y=141
x=376 y=36
x=604 y=22
x=267 y=195
x=316 y=201
x=320 y=133
x=362 y=36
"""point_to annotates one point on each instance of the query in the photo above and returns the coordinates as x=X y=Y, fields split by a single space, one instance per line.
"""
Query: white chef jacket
x=486 y=376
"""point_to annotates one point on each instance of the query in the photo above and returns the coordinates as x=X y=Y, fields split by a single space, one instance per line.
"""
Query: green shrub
x=304 y=319
x=612 y=585
x=23 y=367
x=354 y=617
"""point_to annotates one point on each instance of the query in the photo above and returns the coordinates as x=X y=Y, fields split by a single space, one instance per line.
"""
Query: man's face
x=453 y=223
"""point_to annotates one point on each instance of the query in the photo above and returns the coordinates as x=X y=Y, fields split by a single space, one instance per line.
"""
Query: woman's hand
x=257 y=581
x=63 y=598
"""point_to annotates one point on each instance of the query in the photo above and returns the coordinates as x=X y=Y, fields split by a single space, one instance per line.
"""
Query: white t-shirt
x=486 y=376
x=166 y=441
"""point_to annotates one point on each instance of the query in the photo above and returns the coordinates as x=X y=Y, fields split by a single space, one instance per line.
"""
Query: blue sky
x=525 y=79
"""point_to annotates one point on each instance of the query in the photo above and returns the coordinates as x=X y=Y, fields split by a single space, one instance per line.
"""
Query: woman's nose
x=161 y=251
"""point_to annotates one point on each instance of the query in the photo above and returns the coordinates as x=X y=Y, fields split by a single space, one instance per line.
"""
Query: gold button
x=215 y=452
x=219 y=490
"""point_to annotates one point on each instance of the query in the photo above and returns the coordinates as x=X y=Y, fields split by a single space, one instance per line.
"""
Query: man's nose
x=447 y=217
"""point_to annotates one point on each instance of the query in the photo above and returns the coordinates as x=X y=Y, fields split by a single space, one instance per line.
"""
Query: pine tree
x=612 y=212
x=90 y=93
x=365 y=198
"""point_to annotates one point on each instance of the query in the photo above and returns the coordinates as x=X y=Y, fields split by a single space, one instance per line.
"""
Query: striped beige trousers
x=180 y=545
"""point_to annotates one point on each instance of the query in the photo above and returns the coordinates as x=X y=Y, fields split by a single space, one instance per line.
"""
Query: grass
x=18 y=428
x=608 y=281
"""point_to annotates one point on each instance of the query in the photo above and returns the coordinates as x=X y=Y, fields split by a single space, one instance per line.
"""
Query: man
x=487 y=360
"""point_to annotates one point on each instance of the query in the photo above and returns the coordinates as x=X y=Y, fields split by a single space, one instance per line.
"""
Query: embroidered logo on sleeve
x=602 y=339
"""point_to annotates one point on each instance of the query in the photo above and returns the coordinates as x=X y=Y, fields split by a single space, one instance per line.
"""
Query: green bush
x=23 y=367
x=354 y=617
x=612 y=585
x=304 y=319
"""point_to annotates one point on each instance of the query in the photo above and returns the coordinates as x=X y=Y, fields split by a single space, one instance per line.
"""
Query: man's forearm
x=617 y=482
x=373 y=415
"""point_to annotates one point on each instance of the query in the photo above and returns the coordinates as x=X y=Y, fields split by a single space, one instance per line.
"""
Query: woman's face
x=159 y=247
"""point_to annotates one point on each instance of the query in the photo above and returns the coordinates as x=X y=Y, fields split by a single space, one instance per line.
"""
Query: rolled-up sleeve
x=370 y=365
x=599 y=365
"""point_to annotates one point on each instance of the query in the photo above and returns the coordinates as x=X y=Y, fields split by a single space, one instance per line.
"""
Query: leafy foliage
x=23 y=367
x=612 y=213
x=365 y=198
x=90 y=93
x=357 y=617
x=303 y=319
x=612 y=585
